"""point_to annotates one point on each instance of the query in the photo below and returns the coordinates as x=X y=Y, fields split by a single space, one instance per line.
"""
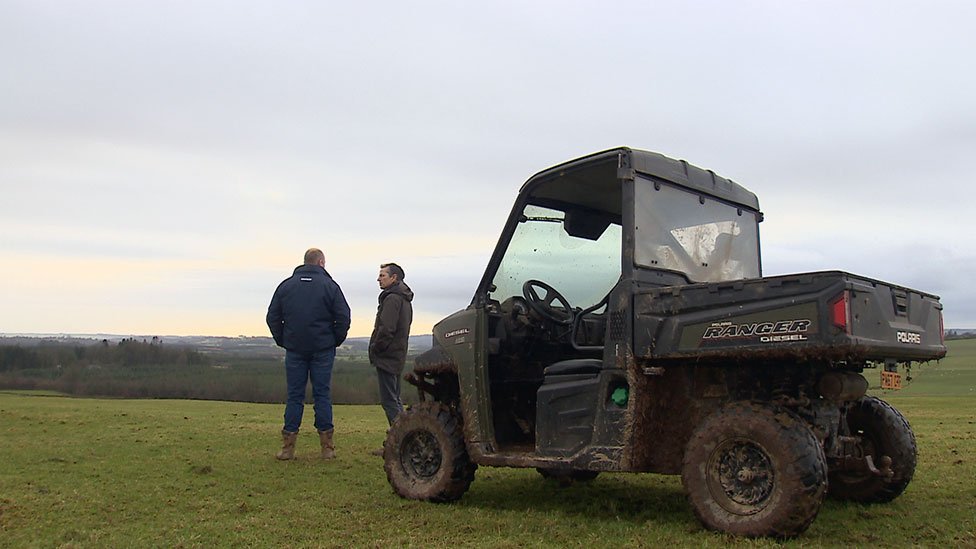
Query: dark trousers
x=389 y=394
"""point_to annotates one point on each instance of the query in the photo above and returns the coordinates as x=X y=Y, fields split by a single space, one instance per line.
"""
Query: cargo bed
x=828 y=315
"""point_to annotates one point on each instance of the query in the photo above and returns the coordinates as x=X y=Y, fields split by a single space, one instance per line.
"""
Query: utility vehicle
x=623 y=324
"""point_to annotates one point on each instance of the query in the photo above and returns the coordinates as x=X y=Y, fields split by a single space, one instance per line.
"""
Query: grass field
x=113 y=473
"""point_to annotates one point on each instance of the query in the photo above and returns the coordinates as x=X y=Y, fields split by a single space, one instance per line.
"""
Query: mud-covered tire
x=883 y=432
x=424 y=454
x=567 y=477
x=755 y=470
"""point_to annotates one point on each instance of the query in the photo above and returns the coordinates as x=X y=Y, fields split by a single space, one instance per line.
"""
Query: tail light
x=840 y=312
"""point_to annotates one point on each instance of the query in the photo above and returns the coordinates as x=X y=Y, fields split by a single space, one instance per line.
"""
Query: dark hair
x=394 y=270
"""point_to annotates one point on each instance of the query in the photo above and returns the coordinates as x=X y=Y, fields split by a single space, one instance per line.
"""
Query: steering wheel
x=544 y=306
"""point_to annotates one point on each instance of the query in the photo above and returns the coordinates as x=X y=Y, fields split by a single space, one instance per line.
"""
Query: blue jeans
x=299 y=369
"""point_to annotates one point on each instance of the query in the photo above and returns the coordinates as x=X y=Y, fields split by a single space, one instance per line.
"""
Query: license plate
x=890 y=380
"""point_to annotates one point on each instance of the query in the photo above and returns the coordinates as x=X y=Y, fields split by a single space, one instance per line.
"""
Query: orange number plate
x=890 y=380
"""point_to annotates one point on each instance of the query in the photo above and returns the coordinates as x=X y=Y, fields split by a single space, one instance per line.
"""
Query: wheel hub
x=744 y=475
x=421 y=454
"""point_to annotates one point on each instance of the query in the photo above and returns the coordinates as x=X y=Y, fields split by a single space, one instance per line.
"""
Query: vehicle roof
x=678 y=172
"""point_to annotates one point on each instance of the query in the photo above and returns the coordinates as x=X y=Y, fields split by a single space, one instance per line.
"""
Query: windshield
x=582 y=270
x=708 y=240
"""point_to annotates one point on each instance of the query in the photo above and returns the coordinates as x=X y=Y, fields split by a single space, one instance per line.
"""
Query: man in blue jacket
x=309 y=317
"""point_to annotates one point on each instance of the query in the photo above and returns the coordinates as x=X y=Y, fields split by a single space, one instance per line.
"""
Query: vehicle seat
x=574 y=366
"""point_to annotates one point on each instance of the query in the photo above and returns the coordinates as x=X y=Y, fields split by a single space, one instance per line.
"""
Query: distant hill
x=258 y=346
x=417 y=343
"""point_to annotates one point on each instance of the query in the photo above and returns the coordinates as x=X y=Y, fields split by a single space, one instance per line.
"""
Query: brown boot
x=287 y=445
x=328 y=448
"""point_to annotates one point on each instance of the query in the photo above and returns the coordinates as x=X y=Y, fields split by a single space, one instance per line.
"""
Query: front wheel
x=880 y=430
x=424 y=454
x=755 y=470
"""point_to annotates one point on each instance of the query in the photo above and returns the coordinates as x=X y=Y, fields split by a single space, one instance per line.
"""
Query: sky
x=163 y=166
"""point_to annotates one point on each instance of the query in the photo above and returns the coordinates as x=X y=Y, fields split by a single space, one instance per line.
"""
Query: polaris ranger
x=623 y=324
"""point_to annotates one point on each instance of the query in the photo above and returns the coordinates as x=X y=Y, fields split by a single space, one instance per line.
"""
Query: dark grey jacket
x=391 y=331
x=308 y=312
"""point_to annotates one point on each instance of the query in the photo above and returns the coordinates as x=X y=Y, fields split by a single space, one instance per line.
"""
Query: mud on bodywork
x=839 y=355
x=665 y=411
x=435 y=375
x=669 y=401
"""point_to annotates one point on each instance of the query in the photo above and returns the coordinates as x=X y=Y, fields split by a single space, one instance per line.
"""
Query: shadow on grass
x=612 y=496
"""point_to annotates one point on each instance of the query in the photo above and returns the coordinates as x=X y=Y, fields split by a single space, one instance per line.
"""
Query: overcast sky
x=164 y=165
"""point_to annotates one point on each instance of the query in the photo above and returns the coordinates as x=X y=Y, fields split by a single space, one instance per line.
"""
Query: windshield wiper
x=523 y=219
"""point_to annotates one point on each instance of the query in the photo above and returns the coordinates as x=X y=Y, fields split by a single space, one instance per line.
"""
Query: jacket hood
x=400 y=288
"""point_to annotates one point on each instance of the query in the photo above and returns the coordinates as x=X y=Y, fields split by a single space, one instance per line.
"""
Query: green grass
x=955 y=375
x=111 y=473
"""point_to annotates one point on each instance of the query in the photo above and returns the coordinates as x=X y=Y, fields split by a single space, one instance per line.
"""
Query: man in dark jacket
x=309 y=317
x=391 y=331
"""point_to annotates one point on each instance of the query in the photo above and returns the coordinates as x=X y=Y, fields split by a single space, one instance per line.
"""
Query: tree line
x=149 y=369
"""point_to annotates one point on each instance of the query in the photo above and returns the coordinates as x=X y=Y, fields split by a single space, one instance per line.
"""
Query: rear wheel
x=881 y=431
x=424 y=455
x=755 y=470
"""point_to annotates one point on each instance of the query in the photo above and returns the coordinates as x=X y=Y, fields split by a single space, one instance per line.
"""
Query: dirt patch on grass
x=5 y=507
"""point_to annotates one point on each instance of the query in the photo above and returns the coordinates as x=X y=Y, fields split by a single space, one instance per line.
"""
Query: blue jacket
x=308 y=312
